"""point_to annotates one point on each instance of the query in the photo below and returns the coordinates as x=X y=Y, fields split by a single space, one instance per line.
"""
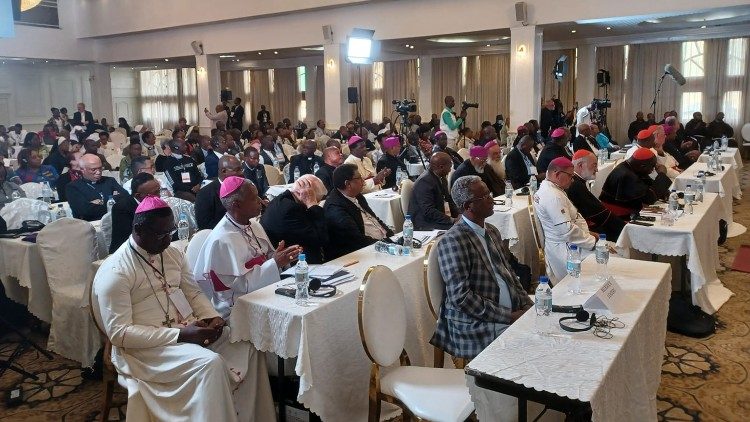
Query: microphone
x=675 y=74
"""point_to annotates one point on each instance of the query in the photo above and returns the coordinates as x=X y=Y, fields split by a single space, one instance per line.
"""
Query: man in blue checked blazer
x=483 y=294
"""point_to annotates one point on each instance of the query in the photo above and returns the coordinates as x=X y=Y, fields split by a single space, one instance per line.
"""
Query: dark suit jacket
x=598 y=217
x=580 y=143
x=198 y=156
x=515 y=168
x=427 y=203
x=625 y=191
x=208 y=208
x=258 y=177
x=212 y=165
x=122 y=221
x=549 y=153
x=306 y=165
x=325 y=173
x=286 y=219
x=78 y=121
x=81 y=192
x=493 y=181
x=470 y=314
x=393 y=163
x=346 y=226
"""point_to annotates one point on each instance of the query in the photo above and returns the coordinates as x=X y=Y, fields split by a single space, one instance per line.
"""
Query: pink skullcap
x=643 y=154
x=477 y=152
x=668 y=130
x=561 y=162
x=150 y=203
x=391 y=142
x=438 y=133
x=230 y=185
x=490 y=144
x=558 y=133
x=353 y=140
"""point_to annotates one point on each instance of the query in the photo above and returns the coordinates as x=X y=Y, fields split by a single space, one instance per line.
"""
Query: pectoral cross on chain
x=168 y=321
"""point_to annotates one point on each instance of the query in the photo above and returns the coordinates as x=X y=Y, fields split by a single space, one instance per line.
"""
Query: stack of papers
x=331 y=275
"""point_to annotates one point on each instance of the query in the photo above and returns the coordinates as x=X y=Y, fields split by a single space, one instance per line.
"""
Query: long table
x=692 y=235
x=730 y=157
x=616 y=379
x=724 y=183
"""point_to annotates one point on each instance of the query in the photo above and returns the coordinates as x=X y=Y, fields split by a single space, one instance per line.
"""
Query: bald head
x=332 y=156
x=229 y=165
x=584 y=129
x=440 y=164
x=313 y=182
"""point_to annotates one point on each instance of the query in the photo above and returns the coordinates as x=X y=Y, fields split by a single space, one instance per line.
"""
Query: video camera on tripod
x=404 y=107
x=465 y=105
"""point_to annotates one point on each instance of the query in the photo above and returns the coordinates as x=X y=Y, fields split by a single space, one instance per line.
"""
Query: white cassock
x=366 y=170
x=235 y=260
x=167 y=380
x=562 y=225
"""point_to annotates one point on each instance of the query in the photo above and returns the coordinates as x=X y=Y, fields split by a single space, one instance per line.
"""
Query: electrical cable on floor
x=541 y=414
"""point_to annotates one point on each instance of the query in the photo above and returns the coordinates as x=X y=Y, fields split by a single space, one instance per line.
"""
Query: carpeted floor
x=702 y=379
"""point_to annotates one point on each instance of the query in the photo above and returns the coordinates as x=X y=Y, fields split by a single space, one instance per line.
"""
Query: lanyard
x=161 y=257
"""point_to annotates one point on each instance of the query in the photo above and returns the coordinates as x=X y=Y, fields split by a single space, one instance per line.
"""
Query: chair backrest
x=167 y=133
x=119 y=139
x=274 y=175
x=345 y=150
x=434 y=286
x=381 y=314
x=114 y=160
x=107 y=229
x=176 y=204
x=121 y=130
x=67 y=266
x=289 y=150
x=113 y=174
x=16 y=212
x=745 y=131
x=407 y=186
x=464 y=153
x=32 y=189
x=194 y=247
x=285 y=171
x=538 y=232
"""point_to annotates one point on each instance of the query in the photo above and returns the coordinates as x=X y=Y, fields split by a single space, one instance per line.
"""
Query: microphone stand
x=656 y=94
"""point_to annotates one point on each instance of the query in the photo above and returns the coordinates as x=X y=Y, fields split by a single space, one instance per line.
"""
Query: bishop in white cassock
x=358 y=156
x=169 y=346
x=237 y=257
x=562 y=225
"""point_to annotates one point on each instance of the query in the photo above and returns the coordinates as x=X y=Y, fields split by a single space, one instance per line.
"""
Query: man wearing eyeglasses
x=561 y=222
x=89 y=194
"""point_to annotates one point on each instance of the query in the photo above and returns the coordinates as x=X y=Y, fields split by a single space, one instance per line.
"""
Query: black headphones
x=581 y=316
x=318 y=289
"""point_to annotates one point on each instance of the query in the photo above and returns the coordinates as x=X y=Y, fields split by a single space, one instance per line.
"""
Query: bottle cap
x=602 y=236
x=408 y=216
x=543 y=279
x=573 y=247
x=301 y=257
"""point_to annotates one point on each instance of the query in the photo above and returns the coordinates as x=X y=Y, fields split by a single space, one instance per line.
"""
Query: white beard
x=479 y=170
x=497 y=167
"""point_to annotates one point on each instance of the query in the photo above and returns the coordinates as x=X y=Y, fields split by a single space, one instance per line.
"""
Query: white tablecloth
x=332 y=365
x=619 y=377
x=618 y=155
x=725 y=183
x=415 y=169
x=601 y=177
x=515 y=227
x=386 y=204
x=731 y=156
x=694 y=235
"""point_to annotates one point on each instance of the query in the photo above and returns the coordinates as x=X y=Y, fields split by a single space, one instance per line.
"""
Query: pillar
x=525 y=74
x=101 y=93
x=424 y=106
x=336 y=76
x=586 y=74
x=208 y=81
x=312 y=90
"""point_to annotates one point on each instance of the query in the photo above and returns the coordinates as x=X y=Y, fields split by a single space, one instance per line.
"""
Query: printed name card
x=610 y=297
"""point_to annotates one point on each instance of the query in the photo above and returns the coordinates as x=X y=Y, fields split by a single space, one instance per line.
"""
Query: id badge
x=447 y=208
x=533 y=171
x=185 y=177
x=178 y=299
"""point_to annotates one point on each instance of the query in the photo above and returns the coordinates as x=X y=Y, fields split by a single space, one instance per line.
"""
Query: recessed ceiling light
x=313 y=48
x=505 y=38
x=132 y=68
x=166 y=60
x=114 y=67
x=227 y=56
x=46 y=61
x=259 y=53
x=412 y=47
x=275 y=52
x=461 y=40
x=703 y=26
x=488 y=45
x=608 y=28
x=572 y=31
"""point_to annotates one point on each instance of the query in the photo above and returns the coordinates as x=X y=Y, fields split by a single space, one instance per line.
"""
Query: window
x=301 y=75
x=377 y=91
x=691 y=102
x=189 y=94
x=736 y=54
x=301 y=87
x=270 y=81
x=464 y=65
x=731 y=105
x=693 y=59
x=159 y=104
x=625 y=68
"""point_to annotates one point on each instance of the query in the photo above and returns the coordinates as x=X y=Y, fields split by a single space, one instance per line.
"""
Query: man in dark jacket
x=519 y=164
x=431 y=202
x=296 y=218
x=182 y=172
x=88 y=195
x=391 y=159
x=123 y=212
x=332 y=158
x=476 y=165
x=553 y=149
x=306 y=161
x=351 y=222
x=629 y=188
x=254 y=171
x=208 y=207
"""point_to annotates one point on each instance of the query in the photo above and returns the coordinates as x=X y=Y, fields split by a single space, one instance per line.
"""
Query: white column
x=101 y=93
x=208 y=80
x=336 y=72
x=424 y=106
x=312 y=90
x=586 y=74
x=525 y=74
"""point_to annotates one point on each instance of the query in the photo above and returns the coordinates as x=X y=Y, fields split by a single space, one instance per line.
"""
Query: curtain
x=368 y=78
x=259 y=93
x=399 y=82
x=619 y=115
x=494 y=80
x=446 y=80
x=567 y=88
x=286 y=96
x=159 y=99
x=188 y=104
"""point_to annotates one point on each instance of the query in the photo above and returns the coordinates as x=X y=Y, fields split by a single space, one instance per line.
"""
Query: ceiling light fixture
x=359 y=46
x=313 y=48
x=489 y=45
x=227 y=56
x=572 y=31
x=506 y=38
x=259 y=53
x=166 y=60
x=608 y=28
x=703 y=26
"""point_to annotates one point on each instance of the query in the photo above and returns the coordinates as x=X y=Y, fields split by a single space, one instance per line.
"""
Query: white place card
x=610 y=297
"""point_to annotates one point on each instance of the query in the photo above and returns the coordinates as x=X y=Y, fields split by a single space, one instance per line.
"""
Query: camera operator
x=448 y=122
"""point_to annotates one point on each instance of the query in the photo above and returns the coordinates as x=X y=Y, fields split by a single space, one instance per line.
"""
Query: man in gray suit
x=483 y=292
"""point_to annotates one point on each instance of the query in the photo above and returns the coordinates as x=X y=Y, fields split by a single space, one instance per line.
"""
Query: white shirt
x=218 y=117
x=16 y=139
x=373 y=228
x=583 y=115
x=366 y=170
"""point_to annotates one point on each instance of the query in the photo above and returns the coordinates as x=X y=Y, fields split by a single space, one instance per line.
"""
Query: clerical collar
x=177 y=156
x=139 y=250
x=237 y=223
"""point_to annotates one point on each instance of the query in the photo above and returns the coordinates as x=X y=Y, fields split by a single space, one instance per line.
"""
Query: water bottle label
x=602 y=255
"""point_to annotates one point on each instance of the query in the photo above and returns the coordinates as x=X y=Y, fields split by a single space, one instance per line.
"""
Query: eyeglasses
x=169 y=234
x=481 y=198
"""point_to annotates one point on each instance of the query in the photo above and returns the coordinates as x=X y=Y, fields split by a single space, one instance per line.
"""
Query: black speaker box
x=353 y=95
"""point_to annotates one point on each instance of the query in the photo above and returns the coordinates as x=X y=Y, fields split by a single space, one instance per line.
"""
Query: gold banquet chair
x=536 y=228
x=434 y=288
x=434 y=394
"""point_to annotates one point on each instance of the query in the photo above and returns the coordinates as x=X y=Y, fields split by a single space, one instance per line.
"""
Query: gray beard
x=479 y=170
x=497 y=166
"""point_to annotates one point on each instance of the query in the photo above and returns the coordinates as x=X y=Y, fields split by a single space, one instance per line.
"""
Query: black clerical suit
x=305 y=164
x=325 y=174
x=625 y=191
x=549 y=153
x=258 y=177
x=549 y=120
x=580 y=142
x=598 y=217
x=346 y=225
x=492 y=180
x=516 y=168
x=177 y=168
x=199 y=155
x=238 y=117
x=427 y=203
x=267 y=159
x=123 y=213
x=288 y=220
x=635 y=127
x=81 y=192
x=393 y=163
x=208 y=207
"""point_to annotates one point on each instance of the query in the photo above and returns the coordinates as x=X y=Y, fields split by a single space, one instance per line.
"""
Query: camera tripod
x=22 y=345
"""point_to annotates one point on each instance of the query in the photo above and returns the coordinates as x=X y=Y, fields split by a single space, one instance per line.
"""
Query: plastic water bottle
x=110 y=204
x=673 y=204
x=408 y=235
x=689 y=199
x=46 y=193
x=55 y=195
x=602 y=257
x=183 y=227
x=45 y=217
x=717 y=145
x=316 y=167
x=60 y=213
x=533 y=185
x=574 y=268
x=15 y=195
x=302 y=281
x=724 y=142
x=399 y=178
x=509 y=193
x=296 y=173
x=543 y=305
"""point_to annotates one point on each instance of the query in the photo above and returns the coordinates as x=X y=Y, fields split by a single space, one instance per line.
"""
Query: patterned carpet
x=702 y=379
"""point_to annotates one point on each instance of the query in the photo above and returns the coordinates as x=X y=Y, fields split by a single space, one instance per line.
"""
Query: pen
x=351 y=263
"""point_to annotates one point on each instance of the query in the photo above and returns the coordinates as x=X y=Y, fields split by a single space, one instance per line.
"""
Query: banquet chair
x=289 y=150
x=191 y=256
x=122 y=131
x=72 y=334
x=345 y=150
x=16 y=212
x=407 y=186
x=119 y=139
x=435 y=394
x=538 y=234
x=114 y=160
x=178 y=204
x=109 y=372
x=274 y=175
x=106 y=232
x=285 y=171
x=32 y=189
x=464 y=153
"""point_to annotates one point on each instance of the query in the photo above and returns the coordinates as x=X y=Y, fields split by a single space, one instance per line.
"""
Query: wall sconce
x=331 y=63
x=521 y=50
x=201 y=70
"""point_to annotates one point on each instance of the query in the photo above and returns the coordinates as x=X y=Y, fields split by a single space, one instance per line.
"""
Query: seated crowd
x=170 y=351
